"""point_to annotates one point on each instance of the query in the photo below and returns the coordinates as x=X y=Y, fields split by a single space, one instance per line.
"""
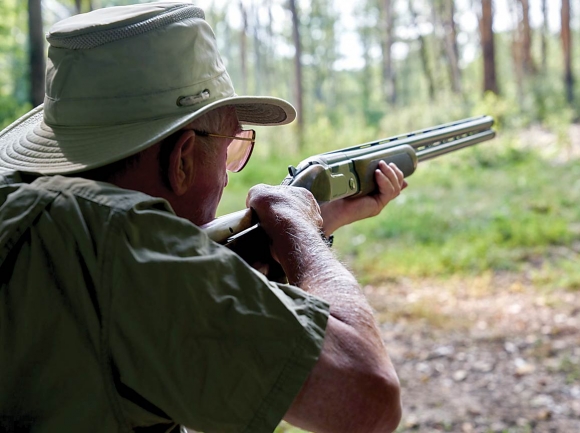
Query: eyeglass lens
x=239 y=151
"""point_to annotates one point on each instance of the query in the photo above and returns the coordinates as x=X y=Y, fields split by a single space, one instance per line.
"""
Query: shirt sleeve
x=198 y=336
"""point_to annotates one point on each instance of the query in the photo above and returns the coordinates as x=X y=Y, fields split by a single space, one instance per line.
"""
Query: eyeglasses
x=239 y=150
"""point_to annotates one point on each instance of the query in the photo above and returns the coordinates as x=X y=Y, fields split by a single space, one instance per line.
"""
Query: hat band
x=132 y=109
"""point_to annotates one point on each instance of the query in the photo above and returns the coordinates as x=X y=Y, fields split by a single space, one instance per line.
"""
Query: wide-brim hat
x=121 y=79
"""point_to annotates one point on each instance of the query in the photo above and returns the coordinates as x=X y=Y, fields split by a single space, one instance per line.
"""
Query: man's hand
x=291 y=218
x=279 y=206
x=390 y=181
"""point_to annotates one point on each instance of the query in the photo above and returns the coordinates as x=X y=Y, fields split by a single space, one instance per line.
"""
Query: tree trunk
x=567 y=47
x=258 y=69
x=488 y=47
x=517 y=50
x=526 y=38
x=389 y=76
x=444 y=12
x=367 y=77
x=244 y=49
x=36 y=52
x=298 y=92
x=545 y=31
x=79 y=6
x=269 y=61
x=424 y=54
x=451 y=45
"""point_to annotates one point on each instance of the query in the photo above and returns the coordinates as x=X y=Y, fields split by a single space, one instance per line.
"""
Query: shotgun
x=349 y=172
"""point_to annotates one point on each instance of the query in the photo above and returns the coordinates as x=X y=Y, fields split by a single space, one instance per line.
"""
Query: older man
x=117 y=312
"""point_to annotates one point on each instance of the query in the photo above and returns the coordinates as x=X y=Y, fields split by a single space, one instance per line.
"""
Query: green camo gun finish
x=350 y=171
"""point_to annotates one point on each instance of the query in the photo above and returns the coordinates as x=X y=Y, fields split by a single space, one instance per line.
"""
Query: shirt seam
x=93 y=197
x=105 y=352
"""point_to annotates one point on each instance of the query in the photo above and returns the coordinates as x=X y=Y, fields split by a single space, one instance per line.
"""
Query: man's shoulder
x=75 y=188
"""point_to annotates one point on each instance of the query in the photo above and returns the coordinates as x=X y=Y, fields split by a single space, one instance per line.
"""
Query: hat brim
x=30 y=145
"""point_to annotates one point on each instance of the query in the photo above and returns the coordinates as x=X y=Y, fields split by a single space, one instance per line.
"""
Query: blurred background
x=474 y=270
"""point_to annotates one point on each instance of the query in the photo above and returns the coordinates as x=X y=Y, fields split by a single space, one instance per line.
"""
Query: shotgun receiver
x=349 y=172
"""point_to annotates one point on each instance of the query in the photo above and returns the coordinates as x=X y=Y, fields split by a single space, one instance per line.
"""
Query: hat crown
x=86 y=31
x=131 y=64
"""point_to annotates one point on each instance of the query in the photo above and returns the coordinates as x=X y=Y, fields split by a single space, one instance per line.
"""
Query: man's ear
x=180 y=172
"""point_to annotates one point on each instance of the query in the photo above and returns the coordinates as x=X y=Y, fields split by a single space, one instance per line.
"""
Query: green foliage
x=504 y=111
x=571 y=368
x=13 y=69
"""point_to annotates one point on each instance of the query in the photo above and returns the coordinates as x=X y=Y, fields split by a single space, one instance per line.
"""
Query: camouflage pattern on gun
x=349 y=172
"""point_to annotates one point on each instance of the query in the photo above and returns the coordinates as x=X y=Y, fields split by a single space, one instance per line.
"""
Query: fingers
x=390 y=180
x=394 y=174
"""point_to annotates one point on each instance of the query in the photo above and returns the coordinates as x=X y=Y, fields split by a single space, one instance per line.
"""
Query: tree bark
x=517 y=50
x=567 y=48
x=488 y=47
x=545 y=31
x=389 y=76
x=36 y=52
x=298 y=92
x=269 y=57
x=366 y=83
x=445 y=15
x=452 y=47
x=423 y=53
x=526 y=38
x=244 y=49
x=258 y=70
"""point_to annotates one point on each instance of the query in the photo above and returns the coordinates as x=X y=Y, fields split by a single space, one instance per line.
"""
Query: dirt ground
x=487 y=354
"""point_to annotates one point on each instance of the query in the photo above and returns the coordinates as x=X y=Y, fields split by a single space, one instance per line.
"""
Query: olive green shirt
x=116 y=315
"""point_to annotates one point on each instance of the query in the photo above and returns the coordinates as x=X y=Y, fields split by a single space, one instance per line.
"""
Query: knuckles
x=280 y=201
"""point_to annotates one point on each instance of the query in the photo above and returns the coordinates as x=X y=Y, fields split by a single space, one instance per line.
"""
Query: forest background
x=494 y=227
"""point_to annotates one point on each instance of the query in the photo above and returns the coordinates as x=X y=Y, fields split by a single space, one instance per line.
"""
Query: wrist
x=302 y=253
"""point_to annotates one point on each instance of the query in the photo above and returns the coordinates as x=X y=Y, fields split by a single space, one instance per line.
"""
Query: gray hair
x=218 y=120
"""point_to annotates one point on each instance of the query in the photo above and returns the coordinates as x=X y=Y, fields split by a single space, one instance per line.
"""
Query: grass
x=495 y=207
x=572 y=370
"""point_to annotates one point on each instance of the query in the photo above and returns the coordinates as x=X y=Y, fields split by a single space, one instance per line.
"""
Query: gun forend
x=349 y=172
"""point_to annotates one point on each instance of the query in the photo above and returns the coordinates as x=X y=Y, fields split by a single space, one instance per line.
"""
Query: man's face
x=210 y=175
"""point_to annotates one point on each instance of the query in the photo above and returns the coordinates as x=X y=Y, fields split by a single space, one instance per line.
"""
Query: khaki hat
x=120 y=79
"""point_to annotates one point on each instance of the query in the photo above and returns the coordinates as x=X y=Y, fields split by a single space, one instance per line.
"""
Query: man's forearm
x=312 y=266
x=353 y=388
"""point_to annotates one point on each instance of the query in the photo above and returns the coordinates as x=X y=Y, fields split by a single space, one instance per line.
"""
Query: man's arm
x=353 y=387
